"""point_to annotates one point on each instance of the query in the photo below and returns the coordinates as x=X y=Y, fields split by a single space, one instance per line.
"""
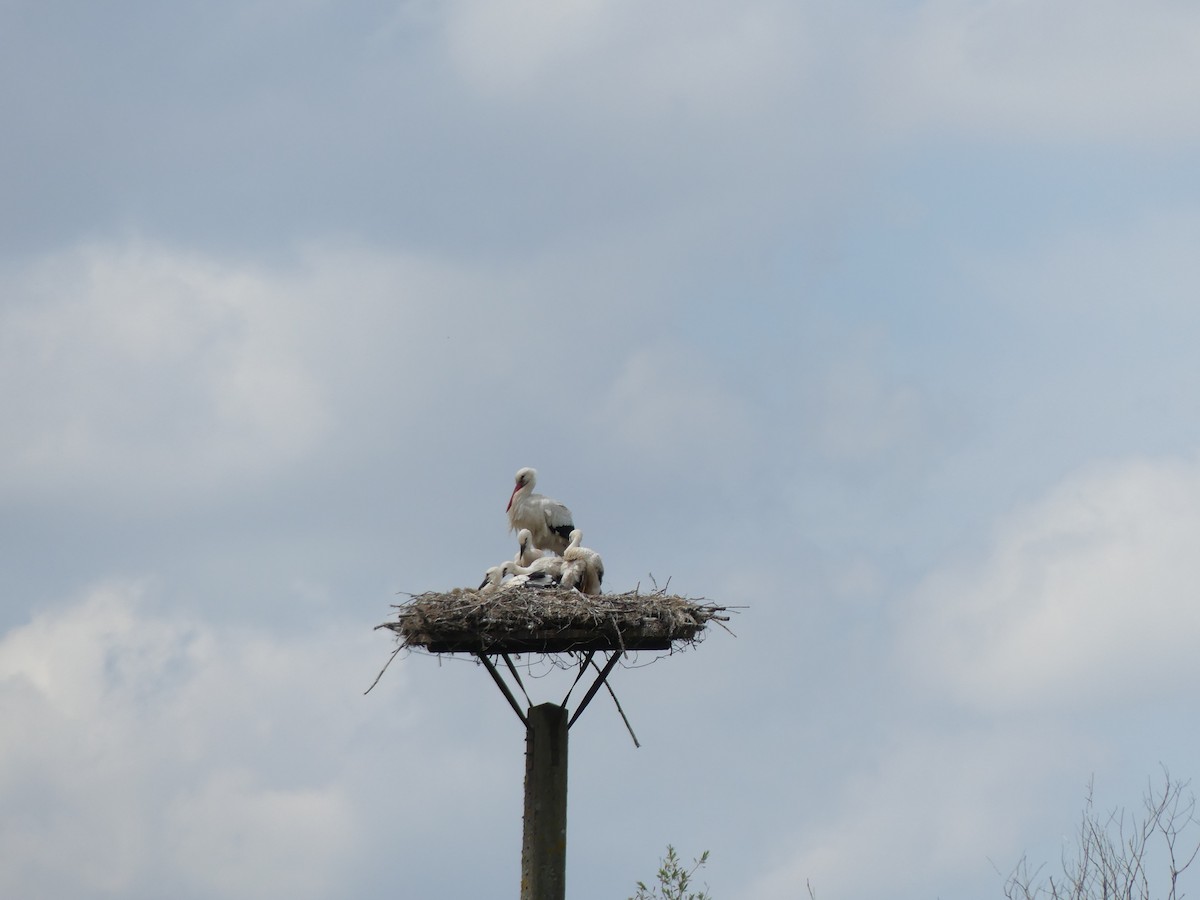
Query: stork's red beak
x=510 y=499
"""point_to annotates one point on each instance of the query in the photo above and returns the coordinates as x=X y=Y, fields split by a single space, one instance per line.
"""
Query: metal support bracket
x=508 y=695
x=587 y=698
x=600 y=681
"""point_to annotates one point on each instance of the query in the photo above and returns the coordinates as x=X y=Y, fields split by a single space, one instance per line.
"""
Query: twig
x=384 y=669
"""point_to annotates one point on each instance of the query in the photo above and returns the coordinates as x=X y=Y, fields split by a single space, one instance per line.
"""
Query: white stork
x=573 y=574
x=491 y=579
x=549 y=522
x=548 y=568
x=543 y=573
x=526 y=551
x=593 y=566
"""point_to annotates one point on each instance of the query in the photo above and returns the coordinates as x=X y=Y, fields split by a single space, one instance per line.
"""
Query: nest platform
x=550 y=620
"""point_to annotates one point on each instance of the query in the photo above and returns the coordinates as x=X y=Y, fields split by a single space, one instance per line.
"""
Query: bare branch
x=1119 y=856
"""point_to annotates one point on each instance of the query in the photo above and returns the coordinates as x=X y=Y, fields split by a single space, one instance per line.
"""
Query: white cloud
x=931 y=808
x=142 y=371
x=624 y=59
x=667 y=405
x=232 y=837
x=137 y=363
x=511 y=46
x=1136 y=273
x=861 y=417
x=1074 y=70
x=1013 y=68
x=1084 y=598
x=150 y=750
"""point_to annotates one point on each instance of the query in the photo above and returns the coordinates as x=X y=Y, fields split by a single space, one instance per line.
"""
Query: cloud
x=667 y=405
x=140 y=370
x=1138 y=273
x=511 y=46
x=703 y=59
x=231 y=837
x=594 y=116
x=930 y=809
x=862 y=418
x=158 y=751
x=1064 y=72
x=162 y=754
x=1084 y=598
x=161 y=373
x=136 y=363
x=1069 y=71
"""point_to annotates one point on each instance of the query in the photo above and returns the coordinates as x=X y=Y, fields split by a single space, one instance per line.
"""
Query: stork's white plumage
x=526 y=551
x=573 y=574
x=544 y=572
x=548 y=567
x=549 y=522
x=592 y=565
x=491 y=579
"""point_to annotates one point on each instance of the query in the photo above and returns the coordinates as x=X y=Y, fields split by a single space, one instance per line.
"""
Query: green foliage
x=674 y=880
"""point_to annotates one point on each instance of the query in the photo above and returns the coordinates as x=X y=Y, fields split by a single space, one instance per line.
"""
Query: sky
x=875 y=321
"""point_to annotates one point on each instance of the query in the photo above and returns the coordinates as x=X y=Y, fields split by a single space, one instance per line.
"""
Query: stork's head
x=526 y=478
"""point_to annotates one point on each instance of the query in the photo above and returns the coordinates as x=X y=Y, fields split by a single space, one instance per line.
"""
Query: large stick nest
x=550 y=620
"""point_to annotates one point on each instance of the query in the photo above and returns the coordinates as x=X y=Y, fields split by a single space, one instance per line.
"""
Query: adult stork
x=592 y=565
x=549 y=522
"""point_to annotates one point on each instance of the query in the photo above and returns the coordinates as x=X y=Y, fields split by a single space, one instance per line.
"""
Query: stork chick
x=593 y=565
x=526 y=551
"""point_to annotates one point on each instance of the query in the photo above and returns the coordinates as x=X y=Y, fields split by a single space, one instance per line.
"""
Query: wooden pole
x=544 y=843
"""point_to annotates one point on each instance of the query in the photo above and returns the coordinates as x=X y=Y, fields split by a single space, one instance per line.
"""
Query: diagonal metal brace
x=582 y=668
x=512 y=701
x=517 y=675
x=587 y=698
